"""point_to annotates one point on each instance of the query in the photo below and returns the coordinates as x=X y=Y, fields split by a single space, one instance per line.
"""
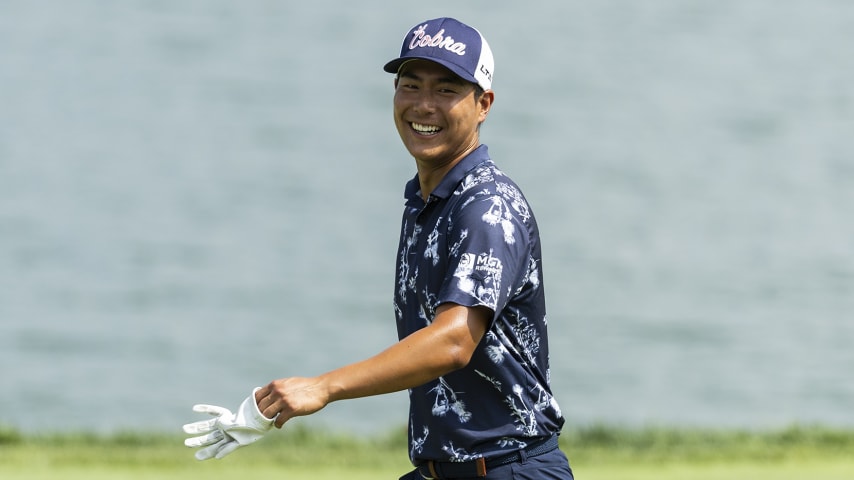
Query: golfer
x=469 y=300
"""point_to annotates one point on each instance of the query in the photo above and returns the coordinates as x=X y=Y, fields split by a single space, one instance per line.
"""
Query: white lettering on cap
x=421 y=39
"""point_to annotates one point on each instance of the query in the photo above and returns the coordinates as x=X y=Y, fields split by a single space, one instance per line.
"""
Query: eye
x=449 y=90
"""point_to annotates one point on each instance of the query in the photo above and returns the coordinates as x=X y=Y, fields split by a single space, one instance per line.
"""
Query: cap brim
x=394 y=66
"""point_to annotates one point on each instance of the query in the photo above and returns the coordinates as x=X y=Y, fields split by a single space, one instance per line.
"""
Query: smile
x=425 y=129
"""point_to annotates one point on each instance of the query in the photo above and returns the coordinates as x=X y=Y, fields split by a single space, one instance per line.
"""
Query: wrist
x=330 y=387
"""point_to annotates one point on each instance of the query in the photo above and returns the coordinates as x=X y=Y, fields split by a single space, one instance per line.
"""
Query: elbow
x=459 y=330
x=458 y=357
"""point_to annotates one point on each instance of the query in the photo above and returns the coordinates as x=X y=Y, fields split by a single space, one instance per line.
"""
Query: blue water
x=197 y=197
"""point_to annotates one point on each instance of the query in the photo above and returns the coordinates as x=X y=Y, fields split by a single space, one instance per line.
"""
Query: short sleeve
x=489 y=246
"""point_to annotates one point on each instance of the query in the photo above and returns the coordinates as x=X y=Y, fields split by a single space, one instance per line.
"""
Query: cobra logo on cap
x=452 y=44
x=439 y=40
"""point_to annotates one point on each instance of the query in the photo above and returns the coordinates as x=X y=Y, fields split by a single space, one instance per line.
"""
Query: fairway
x=596 y=453
x=740 y=470
x=789 y=470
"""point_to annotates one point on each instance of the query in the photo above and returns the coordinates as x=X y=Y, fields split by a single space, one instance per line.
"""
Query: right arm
x=445 y=345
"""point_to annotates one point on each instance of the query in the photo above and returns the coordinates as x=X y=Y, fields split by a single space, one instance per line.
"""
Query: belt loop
x=480 y=463
x=523 y=456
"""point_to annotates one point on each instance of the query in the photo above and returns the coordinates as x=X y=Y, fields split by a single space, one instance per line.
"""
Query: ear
x=485 y=103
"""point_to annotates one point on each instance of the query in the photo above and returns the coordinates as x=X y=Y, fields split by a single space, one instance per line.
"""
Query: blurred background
x=199 y=196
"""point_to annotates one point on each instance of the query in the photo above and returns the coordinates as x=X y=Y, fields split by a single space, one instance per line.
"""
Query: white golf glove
x=227 y=431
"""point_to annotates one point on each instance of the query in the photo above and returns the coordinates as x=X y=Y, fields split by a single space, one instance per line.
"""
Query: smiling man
x=469 y=248
x=469 y=299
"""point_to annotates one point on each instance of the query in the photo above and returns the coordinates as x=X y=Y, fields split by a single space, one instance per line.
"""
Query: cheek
x=397 y=102
x=465 y=117
x=397 y=112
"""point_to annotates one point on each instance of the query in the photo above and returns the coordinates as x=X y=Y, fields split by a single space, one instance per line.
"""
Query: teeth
x=425 y=128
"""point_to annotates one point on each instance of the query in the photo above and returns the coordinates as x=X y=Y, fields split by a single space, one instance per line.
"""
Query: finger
x=280 y=420
x=203 y=454
x=203 y=426
x=211 y=409
x=262 y=398
x=267 y=402
x=210 y=451
x=262 y=392
x=204 y=440
x=268 y=412
x=226 y=449
x=258 y=393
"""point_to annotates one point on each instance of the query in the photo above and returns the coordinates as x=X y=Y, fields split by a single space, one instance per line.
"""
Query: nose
x=425 y=102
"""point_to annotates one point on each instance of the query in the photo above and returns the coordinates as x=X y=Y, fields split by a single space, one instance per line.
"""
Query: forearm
x=423 y=356
x=447 y=344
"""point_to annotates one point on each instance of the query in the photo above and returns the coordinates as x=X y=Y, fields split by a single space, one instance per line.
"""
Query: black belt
x=477 y=468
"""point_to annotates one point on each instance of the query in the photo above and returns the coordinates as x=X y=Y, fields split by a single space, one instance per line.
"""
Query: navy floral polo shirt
x=476 y=243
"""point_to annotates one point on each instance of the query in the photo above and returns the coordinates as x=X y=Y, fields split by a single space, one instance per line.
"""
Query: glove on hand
x=228 y=431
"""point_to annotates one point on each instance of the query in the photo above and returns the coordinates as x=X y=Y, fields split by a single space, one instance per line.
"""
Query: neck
x=429 y=177
x=430 y=173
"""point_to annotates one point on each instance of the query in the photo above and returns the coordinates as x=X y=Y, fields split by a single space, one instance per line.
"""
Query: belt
x=431 y=469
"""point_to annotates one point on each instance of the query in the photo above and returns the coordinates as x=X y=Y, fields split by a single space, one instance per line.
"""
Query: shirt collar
x=451 y=179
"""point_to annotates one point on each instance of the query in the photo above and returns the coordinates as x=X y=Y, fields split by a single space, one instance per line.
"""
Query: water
x=197 y=197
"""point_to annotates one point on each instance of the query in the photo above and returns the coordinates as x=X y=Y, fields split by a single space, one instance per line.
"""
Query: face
x=436 y=113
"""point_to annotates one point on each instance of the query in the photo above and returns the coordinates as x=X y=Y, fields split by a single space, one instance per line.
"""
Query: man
x=469 y=302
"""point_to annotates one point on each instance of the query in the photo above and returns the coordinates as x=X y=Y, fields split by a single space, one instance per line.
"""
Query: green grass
x=595 y=452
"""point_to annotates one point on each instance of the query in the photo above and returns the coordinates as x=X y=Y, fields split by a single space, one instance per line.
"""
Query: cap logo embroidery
x=421 y=39
x=486 y=72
